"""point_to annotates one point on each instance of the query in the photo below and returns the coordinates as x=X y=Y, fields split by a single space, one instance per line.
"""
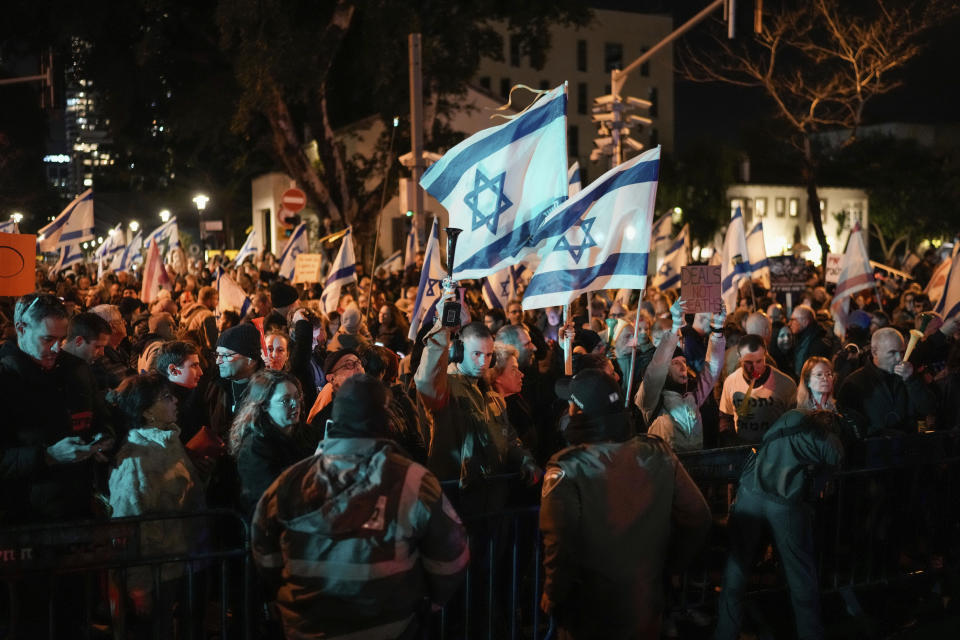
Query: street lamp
x=16 y=216
x=165 y=215
x=201 y=201
x=134 y=226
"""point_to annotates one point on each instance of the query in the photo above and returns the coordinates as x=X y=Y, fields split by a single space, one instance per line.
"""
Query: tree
x=821 y=62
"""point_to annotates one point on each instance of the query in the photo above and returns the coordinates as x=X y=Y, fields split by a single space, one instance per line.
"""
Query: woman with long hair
x=393 y=329
x=154 y=475
x=815 y=391
x=266 y=436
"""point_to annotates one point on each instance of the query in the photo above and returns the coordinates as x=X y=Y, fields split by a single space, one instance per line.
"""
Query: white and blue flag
x=600 y=239
x=411 y=248
x=131 y=253
x=573 y=179
x=430 y=288
x=9 y=226
x=252 y=246
x=661 y=232
x=949 y=304
x=167 y=237
x=107 y=252
x=734 y=262
x=343 y=271
x=501 y=287
x=232 y=296
x=757 y=250
x=68 y=230
x=296 y=245
x=392 y=264
x=499 y=184
x=677 y=257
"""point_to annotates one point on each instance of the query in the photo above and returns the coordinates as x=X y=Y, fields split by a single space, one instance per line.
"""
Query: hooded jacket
x=352 y=540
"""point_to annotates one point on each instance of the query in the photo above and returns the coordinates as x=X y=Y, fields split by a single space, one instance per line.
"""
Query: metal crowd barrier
x=81 y=570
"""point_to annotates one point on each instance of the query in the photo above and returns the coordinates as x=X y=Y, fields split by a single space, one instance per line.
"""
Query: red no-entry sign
x=293 y=200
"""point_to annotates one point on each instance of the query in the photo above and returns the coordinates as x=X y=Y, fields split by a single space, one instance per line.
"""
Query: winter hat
x=859 y=318
x=350 y=321
x=283 y=294
x=330 y=363
x=598 y=397
x=360 y=409
x=243 y=338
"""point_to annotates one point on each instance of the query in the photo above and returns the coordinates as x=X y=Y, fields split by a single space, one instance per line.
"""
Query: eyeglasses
x=226 y=357
x=352 y=365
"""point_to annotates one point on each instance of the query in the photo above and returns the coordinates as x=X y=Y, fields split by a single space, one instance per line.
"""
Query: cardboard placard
x=700 y=287
x=307 y=268
x=833 y=267
x=18 y=263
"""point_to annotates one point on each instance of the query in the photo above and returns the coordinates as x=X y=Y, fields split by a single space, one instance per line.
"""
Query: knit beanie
x=359 y=409
x=243 y=339
x=350 y=321
x=283 y=294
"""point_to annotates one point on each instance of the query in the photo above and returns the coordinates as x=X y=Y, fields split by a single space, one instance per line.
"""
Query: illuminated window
x=736 y=203
x=780 y=207
x=760 y=207
x=794 y=207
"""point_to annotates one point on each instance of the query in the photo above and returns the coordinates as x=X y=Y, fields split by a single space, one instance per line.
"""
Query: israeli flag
x=252 y=246
x=124 y=260
x=757 y=250
x=411 y=248
x=573 y=179
x=111 y=247
x=9 y=227
x=296 y=245
x=949 y=304
x=662 y=231
x=232 y=296
x=343 y=271
x=734 y=261
x=431 y=283
x=668 y=275
x=499 y=184
x=68 y=230
x=167 y=237
x=501 y=287
x=392 y=264
x=599 y=239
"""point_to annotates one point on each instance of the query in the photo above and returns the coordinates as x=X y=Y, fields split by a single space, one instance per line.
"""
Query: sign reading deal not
x=307 y=267
x=700 y=287
x=18 y=263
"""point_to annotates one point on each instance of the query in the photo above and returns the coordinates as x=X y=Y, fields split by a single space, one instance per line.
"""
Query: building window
x=581 y=55
x=504 y=87
x=823 y=206
x=760 y=207
x=654 y=99
x=736 y=203
x=485 y=83
x=612 y=56
x=573 y=141
x=645 y=67
x=514 y=51
x=582 y=99
x=794 y=209
x=780 y=207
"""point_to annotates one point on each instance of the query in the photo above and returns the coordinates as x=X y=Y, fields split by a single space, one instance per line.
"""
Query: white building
x=783 y=211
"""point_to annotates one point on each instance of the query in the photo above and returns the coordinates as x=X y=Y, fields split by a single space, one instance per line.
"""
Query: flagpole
x=633 y=352
x=566 y=344
x=383 y=200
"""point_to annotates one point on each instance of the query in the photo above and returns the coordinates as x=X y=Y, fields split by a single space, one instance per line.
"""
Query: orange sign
x=18 y=261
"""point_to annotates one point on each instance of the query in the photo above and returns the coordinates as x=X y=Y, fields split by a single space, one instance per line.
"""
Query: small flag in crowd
x=573 y=179
x=499 y=184
x=431 y=283
x=949 y=303
x=252 y=246
x=734 y=261
x=154 y=275
x=296 y=245
x=412 y=248
x=856 y=274
x=668 y=275
x=166 y=235
x=392 y=264
x=600 y=239
x=343 y=271
x=662 y=230
x=232 y=296
x=938 y=280
x=73 y=226
x=500 y=288
x=757 y=250
x=107 y=252
x=9 y=226
x=132 y=252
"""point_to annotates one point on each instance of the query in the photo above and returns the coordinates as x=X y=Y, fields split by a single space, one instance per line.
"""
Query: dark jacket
x=262 y=457
x=36 y=415
x=812 y=341
x=884 y=400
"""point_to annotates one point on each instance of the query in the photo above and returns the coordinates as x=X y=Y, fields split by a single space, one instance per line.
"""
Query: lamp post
x=133 y=226
x=165 y=215
x=201 y=201
x=16 y=216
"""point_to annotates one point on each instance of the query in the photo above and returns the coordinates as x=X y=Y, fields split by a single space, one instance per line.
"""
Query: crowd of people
x=366 y=461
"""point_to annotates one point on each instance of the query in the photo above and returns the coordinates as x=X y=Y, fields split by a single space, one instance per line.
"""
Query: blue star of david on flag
x=431 y=283
x=482 y=183
x=576 y=250
x=503 y=287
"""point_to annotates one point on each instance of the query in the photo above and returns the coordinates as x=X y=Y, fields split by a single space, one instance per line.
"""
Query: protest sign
x=307 y=268
x=18 y=261
x=788 y=273
x=700 y=288
x=833 y=267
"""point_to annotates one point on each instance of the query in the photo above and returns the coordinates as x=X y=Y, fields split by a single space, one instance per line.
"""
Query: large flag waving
x=73 y=226
x=856 y=274
x=498 y=185
x=232 y=296
x=343 y=271
x=500 y=288
x=252 y=246
x=573 y=179
x=166 y=235
x=734 y=261
x=938 y=281
x=600 y=239
x=757 y=250
x=124 y=260
x=431 y=283
x=949 y=303
x=661 y=231
x=668 y=275
x=296 y=245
